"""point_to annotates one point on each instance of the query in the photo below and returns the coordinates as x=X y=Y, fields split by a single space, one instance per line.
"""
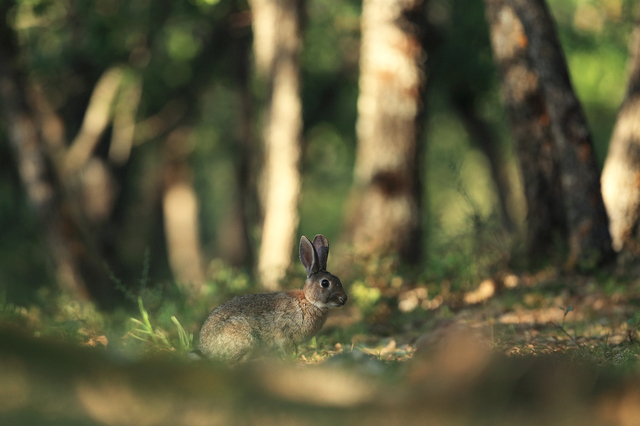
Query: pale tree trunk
x=530 y=128
x=180 y=210
x=589 y=239
x=386 y=214
x=621 y=173
x=277 y=39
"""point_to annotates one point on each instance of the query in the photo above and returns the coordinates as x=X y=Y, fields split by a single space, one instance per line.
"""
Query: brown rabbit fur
x=283 y=319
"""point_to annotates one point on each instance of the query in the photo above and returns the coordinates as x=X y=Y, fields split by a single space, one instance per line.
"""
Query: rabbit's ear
x=321 y=244
x=308 y=256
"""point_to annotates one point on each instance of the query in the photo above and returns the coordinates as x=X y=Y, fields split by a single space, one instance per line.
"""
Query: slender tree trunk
x=386 y=216
x=277 y=39
x=180 y=209
x=621 y=173
x=530 y=128
x=589 y=239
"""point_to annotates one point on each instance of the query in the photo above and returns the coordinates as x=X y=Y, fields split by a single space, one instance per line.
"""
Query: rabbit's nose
x=343 y=299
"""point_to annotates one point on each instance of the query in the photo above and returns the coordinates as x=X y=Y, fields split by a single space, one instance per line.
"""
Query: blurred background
x=158 y=157
x=184 y=140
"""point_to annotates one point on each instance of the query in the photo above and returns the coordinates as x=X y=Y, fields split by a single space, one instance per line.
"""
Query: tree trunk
x=530 y=128
x=180 y=209
x=234 y=230
x=277 y=39
x=41 y=194
x=34 y=167
x=464 y=100
x=69 y=187
x=589 y=239
x=85 y=188
x=621 y=173
x=386 y=216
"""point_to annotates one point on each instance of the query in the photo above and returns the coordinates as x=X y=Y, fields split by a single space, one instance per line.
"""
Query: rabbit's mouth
x=332 y=302
x=338 y=301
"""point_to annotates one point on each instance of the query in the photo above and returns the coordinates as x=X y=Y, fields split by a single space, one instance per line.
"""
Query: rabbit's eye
x=324 y=283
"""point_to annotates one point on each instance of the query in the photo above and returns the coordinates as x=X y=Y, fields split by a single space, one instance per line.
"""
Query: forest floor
x=543 y=348
x=546 y=313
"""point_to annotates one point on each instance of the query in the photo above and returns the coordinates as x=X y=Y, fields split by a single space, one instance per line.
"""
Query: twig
x=561 y=326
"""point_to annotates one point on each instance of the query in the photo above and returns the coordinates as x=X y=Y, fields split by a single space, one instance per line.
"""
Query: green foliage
x=365 y=297
x=225 y=280
x=595 y=38
x=155 y=338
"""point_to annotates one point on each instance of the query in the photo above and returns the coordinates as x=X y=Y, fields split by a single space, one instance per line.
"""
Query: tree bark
x=621 y=173
x=386 y=216
x=277 y=40
x=587 y=222
x=530 y=128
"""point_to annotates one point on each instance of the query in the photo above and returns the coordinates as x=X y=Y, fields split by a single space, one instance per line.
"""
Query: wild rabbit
x=283 y=319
